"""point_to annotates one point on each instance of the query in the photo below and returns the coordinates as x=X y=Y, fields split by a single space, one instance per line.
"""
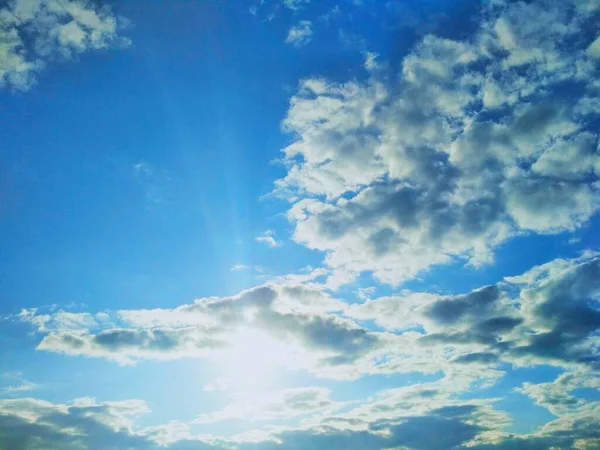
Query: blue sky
x=299 y=224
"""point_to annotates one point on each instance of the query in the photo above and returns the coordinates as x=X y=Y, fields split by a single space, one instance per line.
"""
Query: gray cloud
x=482 y=357
x=549 y=315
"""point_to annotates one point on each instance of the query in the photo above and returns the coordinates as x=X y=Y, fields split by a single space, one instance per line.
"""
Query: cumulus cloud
x=549 y=315
x=284 y=320
x=279 y=327
x=461 y=150
x=300 y=34
x=35 y=32
x=29 y=423
x=575 y=426
x=556 y=396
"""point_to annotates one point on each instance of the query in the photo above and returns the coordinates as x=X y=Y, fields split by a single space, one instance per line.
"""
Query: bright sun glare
x=253 y=358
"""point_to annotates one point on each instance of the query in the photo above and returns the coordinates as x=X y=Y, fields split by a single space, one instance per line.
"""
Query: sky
x=299 y=224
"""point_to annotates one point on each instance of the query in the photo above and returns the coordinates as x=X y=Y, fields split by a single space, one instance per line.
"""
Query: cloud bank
x=548 y=315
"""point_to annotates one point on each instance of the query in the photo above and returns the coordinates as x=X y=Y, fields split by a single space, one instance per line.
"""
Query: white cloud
x=465 y=152
x=278 y=405
x=35 y=32
x=594 y=48
x=14 y=383
x=296 y=5
x=556 y=396
x=573 y=158
x=220 y=384
x=300 y=34
x=268 y=237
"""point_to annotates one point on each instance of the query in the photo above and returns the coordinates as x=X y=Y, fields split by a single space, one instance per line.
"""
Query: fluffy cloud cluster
x=464 y=148
x=32 y=32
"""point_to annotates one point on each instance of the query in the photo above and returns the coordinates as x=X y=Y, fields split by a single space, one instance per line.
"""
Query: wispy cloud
x=296 y=5
x=154 y=183
x=268 y=237
x=300 y=34
x=19 y=388
x=16 y=384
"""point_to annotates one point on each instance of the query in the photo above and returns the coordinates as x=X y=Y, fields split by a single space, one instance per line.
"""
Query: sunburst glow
x=252 y=358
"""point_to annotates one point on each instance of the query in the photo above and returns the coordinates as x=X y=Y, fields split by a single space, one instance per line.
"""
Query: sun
x=251 y=359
